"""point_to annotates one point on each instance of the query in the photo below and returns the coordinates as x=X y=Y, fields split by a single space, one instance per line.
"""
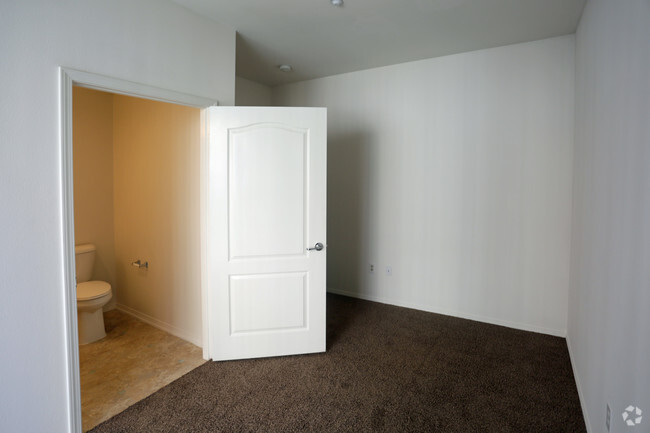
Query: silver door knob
x=316 y=247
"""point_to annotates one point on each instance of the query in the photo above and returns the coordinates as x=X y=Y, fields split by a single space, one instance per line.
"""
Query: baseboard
x=180 y=333
x=460 y=314
x=580 y=393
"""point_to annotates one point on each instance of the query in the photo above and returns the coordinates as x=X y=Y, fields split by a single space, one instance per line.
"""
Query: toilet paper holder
x=139 y=264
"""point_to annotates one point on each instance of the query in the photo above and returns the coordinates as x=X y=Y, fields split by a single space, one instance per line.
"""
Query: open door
x=266 y=230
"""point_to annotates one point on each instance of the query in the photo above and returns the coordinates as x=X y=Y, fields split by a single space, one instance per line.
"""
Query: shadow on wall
x=347 y=211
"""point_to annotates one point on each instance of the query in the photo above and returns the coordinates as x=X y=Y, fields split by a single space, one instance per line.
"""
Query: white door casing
x=266 y=207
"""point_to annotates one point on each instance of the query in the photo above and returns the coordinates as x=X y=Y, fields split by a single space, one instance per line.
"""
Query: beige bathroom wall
x=93 y=179
x=156 y=188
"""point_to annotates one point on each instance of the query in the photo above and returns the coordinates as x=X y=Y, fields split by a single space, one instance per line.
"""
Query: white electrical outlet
x=371 y=268
x=608 y=417
x=389 y=271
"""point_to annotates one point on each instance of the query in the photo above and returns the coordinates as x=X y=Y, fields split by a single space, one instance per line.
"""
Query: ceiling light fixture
x=285 y=68
x=336 y=2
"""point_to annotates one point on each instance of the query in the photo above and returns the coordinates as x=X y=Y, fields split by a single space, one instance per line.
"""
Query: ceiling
x=318 y=39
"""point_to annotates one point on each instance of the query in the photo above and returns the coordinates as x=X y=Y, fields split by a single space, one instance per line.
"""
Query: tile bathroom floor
x=133 y=361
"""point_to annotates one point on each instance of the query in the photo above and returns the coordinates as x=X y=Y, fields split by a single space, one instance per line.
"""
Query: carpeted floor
x=387 y=369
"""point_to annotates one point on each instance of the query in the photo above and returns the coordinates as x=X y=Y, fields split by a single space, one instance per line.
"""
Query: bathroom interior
x=136 y=198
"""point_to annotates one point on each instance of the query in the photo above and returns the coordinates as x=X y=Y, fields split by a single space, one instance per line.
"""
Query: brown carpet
x=387 y=369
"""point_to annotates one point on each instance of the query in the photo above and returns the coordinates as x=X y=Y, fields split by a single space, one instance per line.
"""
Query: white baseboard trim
x=180 y=333
x=580 y=393
x=462 y=315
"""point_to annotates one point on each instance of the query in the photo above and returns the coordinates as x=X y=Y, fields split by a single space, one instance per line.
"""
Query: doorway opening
x=136 y=200
x=144 y=235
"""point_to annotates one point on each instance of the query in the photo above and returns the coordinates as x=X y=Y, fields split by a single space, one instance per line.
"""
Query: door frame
x=69 y=78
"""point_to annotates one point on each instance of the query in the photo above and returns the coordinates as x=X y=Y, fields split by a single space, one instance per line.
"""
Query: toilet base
x=91 y=326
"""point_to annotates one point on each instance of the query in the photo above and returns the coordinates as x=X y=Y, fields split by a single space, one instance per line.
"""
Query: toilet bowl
x=91 y=297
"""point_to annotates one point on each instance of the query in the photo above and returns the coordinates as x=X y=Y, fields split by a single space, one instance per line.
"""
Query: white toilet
x=91 y=296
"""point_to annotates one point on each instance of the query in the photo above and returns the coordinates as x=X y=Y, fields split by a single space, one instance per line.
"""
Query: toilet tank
x=84 y=259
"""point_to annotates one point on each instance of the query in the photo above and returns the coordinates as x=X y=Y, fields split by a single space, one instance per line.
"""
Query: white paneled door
x=266 y=228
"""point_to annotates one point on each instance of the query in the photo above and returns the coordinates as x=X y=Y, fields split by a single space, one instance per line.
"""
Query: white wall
x=252 y=94
x=609 y=303
x=457 y=172
x=147 y=41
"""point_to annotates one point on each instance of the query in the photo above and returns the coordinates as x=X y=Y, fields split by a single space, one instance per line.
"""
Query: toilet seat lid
x=92 y=290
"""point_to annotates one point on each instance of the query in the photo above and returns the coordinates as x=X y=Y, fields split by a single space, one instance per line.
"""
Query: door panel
x=266 y=207
x=266 y=151
x=255 y=299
